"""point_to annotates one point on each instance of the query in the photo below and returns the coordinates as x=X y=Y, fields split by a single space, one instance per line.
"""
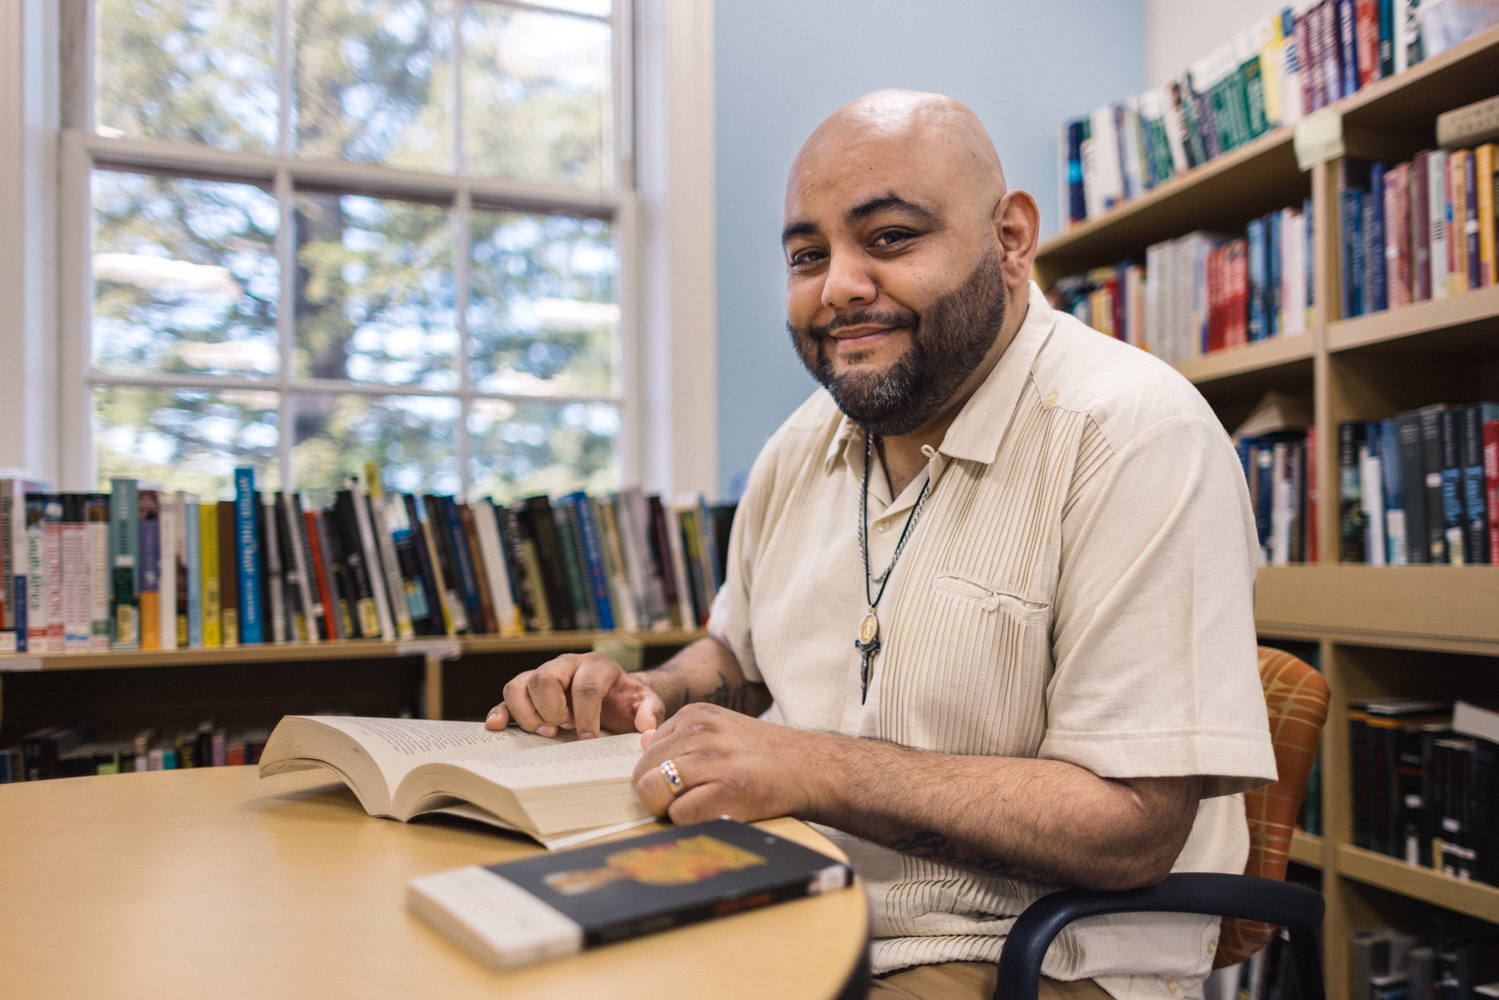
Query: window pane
x=521 y=449
x=185 y=276
x=373 y=81
x=188 y=71
x=375 y=291
x=536 y=95
x=186 y=439
x=598 y=7
x=541 y=316
x=411 y=438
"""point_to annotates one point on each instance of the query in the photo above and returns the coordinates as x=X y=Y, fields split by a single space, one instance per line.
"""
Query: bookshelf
x=1415 y=631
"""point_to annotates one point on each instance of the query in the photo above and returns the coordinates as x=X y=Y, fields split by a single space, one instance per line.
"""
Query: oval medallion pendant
x=869 y=628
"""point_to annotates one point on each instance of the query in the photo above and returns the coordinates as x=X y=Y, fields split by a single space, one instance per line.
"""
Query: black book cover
x=431 y=594
x=535 y=514
x=1362 y=776
x=296 y=608
x=511 y=537
x=661 y=549
x=1412 y=487
x=585 y=614
x=355 y=566
x=338 y=575
x=1351 y=527
x=468 y=574
x=723 y=524
x=1475 y=505
x=319 y=615
x=262 y=557
x=1452 y=484
x=627 y=888
x=442 y=544
x=1431 y=473
x=476 y=559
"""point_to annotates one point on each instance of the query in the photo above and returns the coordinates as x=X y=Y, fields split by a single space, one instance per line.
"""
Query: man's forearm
x=1040 y=821
x=705 y=671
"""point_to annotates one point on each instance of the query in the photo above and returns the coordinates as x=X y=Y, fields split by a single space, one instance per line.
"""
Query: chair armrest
x=1208 y=893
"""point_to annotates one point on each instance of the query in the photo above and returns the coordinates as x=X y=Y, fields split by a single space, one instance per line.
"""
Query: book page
x=395 y=746
x=603 y=759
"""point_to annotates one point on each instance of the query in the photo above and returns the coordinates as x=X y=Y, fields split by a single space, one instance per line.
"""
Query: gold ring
x=673 y=779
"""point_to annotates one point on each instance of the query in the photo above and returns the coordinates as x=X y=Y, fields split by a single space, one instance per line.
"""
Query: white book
x=171 y=533
x=1108 y=172
x=276 y=584
x=1153 y=276
x=1293 y=270
x=386 y=542
x=52 y=580
x=1436 y=201
x=1473 y=720
x=310 y=600
x=1131 y=155
x=1282 y=505
x=374 y=565
x=496 y=567
x=621 y=598
x=679 y=564
x=1176 y=128
x=1371 y=475
x=1395 y=540
x=76 y=624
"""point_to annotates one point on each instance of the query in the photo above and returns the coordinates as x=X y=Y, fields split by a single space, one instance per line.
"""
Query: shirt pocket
x=1028 y=612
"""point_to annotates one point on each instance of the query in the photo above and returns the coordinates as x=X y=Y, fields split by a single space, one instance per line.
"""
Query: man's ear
x=1017 y=229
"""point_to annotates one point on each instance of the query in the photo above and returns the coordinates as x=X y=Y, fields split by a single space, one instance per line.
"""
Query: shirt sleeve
x=729 y=620
x=1153 y=642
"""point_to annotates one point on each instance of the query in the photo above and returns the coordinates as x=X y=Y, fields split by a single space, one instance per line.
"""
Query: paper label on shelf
x=20 y=664
x=432 y=649
x=1319 y=138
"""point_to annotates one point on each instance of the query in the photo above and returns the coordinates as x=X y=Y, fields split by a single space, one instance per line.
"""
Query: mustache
x=868 y=317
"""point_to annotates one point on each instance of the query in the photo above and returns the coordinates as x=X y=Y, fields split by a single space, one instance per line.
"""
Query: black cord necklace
x=868 y=643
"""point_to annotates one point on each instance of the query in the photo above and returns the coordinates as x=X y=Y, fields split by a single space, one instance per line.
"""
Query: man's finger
x=699 y=804
x=645 y=717
x=499 y=717
x=518 y=705
x=594 y=678
x=548 y=690
x=655 y=791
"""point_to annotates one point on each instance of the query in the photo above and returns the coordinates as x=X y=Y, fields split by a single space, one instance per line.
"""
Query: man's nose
x=849 y=282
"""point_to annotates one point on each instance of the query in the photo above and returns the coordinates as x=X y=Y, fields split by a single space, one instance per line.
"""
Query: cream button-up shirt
x=1078 y=587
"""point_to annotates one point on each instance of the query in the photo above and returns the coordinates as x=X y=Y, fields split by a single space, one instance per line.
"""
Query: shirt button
x=884 y=525
x=991 y=602
x=1212 y=946
x=1170 y=985
x=1051 y=398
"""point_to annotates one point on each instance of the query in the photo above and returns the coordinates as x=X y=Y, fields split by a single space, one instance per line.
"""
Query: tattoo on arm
x=732 y=698
x=930 y=845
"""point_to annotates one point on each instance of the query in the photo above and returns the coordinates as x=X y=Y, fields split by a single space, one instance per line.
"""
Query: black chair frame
x=1242 y=896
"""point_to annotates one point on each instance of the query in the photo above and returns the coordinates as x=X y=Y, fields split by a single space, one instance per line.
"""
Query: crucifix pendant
x=867 y=644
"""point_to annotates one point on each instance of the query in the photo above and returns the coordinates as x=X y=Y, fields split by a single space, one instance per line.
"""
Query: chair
x=1252 y=904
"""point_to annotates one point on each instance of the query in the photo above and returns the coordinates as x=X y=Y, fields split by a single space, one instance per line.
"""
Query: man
x=990 y=590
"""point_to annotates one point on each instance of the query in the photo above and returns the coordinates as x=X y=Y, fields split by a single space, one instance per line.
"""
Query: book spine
x=1436 y=212
x=124 y=525
x=340 y=582
x=97 y=513
x=352 y=567
x=1475 y=506
x=171 y=539
x=1398 y=263
x=470 y=539
x=542 y=527
x=1471 y=227
x=314 y=589
x=1452 y=489
x=430 y=596
x=661 y=551
x=8 y=518
x=535 y=581
x=1366 y=31
x=280 y=596
x=298 y=623
x=1312 y=498
x=1396 y=540
x=578 y=591
x=434 y=525
x=208 y=572
x=1431 y=471
x=248 y=562
x=1418 y=197
x=36 y=573
x=1491 y=485
x=75 y=572
x=1457 y=230
x=1358 y=752
x=1348 y=46
x=1380 y=249
x=327 y=613
x=468 y=584
x=267 y=582
x=381 y=526
x=1350 y=493
x=373 y=564
x=230 y=622
x=1483 y=164
x=149 y=559
x=192 y=515
x=593 y=558
x=487 y=529
x=512 y=539
x=621 y=598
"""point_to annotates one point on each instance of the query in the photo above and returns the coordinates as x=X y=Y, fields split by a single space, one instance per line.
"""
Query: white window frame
x=666 y=371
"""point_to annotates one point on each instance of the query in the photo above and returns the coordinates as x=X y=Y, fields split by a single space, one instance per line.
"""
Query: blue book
x=1348 y=45
x=247 y=556
x=1475 y=498
x=1274 y=318
x=20 y=585
x=1376 y=294
x=1396 y=534
x=1353 y=253
x=1311 y=259
x=1453 y=523
x=468 y=583
x=124 y=564
x=1256 y=291
x=194 y=546
x=592 y=557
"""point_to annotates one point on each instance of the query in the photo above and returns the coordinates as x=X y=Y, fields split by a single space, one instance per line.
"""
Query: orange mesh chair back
x=1296 y=699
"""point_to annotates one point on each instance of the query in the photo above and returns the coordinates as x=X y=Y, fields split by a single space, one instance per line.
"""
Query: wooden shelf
x=1306 y=849
x=1265 y=358
x=1459 y=324
x=1408 y=104
x=1444 y=608
x=352 y=649
x=1426 y=884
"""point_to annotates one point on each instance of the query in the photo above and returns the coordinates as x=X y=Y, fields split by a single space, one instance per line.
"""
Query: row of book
x=143 y=569
x=1447 y=961
x=1425 y=782
x=1204 y=291
x=72 y=752
x=1421 y=488
x=1419 y=230
x=1283 y=67
x=1281 y=469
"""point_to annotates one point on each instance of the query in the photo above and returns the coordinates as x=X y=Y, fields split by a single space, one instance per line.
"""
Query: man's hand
x=587 y=691
x=731 y=764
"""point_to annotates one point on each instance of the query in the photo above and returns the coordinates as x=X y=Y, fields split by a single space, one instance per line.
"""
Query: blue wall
x=1023 y=66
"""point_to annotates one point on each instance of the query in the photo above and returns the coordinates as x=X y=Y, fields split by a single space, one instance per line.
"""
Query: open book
x=559 y=790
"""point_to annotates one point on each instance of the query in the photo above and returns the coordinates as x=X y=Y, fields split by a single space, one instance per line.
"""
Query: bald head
x=932 y=132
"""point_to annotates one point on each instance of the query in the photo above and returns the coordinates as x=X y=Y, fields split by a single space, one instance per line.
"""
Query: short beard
x=948 y=342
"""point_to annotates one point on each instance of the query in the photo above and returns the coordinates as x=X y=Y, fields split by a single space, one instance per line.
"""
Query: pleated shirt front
x=1079 y=587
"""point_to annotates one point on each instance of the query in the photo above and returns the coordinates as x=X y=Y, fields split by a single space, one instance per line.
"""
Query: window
x=325 y=232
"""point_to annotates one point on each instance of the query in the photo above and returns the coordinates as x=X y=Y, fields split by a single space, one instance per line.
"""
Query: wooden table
x=214 y=883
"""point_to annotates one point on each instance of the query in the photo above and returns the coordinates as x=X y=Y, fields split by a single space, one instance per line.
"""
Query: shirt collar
x=980 y=426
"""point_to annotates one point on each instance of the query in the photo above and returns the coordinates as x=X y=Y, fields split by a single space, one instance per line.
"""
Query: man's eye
x=891 y=238
x=804 y=257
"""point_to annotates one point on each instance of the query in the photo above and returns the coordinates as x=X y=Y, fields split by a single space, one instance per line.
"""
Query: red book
x=1311 y=494
x=1420 y=228
x=1217 y=299
x=1397 y=214
x=1491 y=484
x=1310 y=83
x=1236 y=276
x=1366 y=37
x=320 y=570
